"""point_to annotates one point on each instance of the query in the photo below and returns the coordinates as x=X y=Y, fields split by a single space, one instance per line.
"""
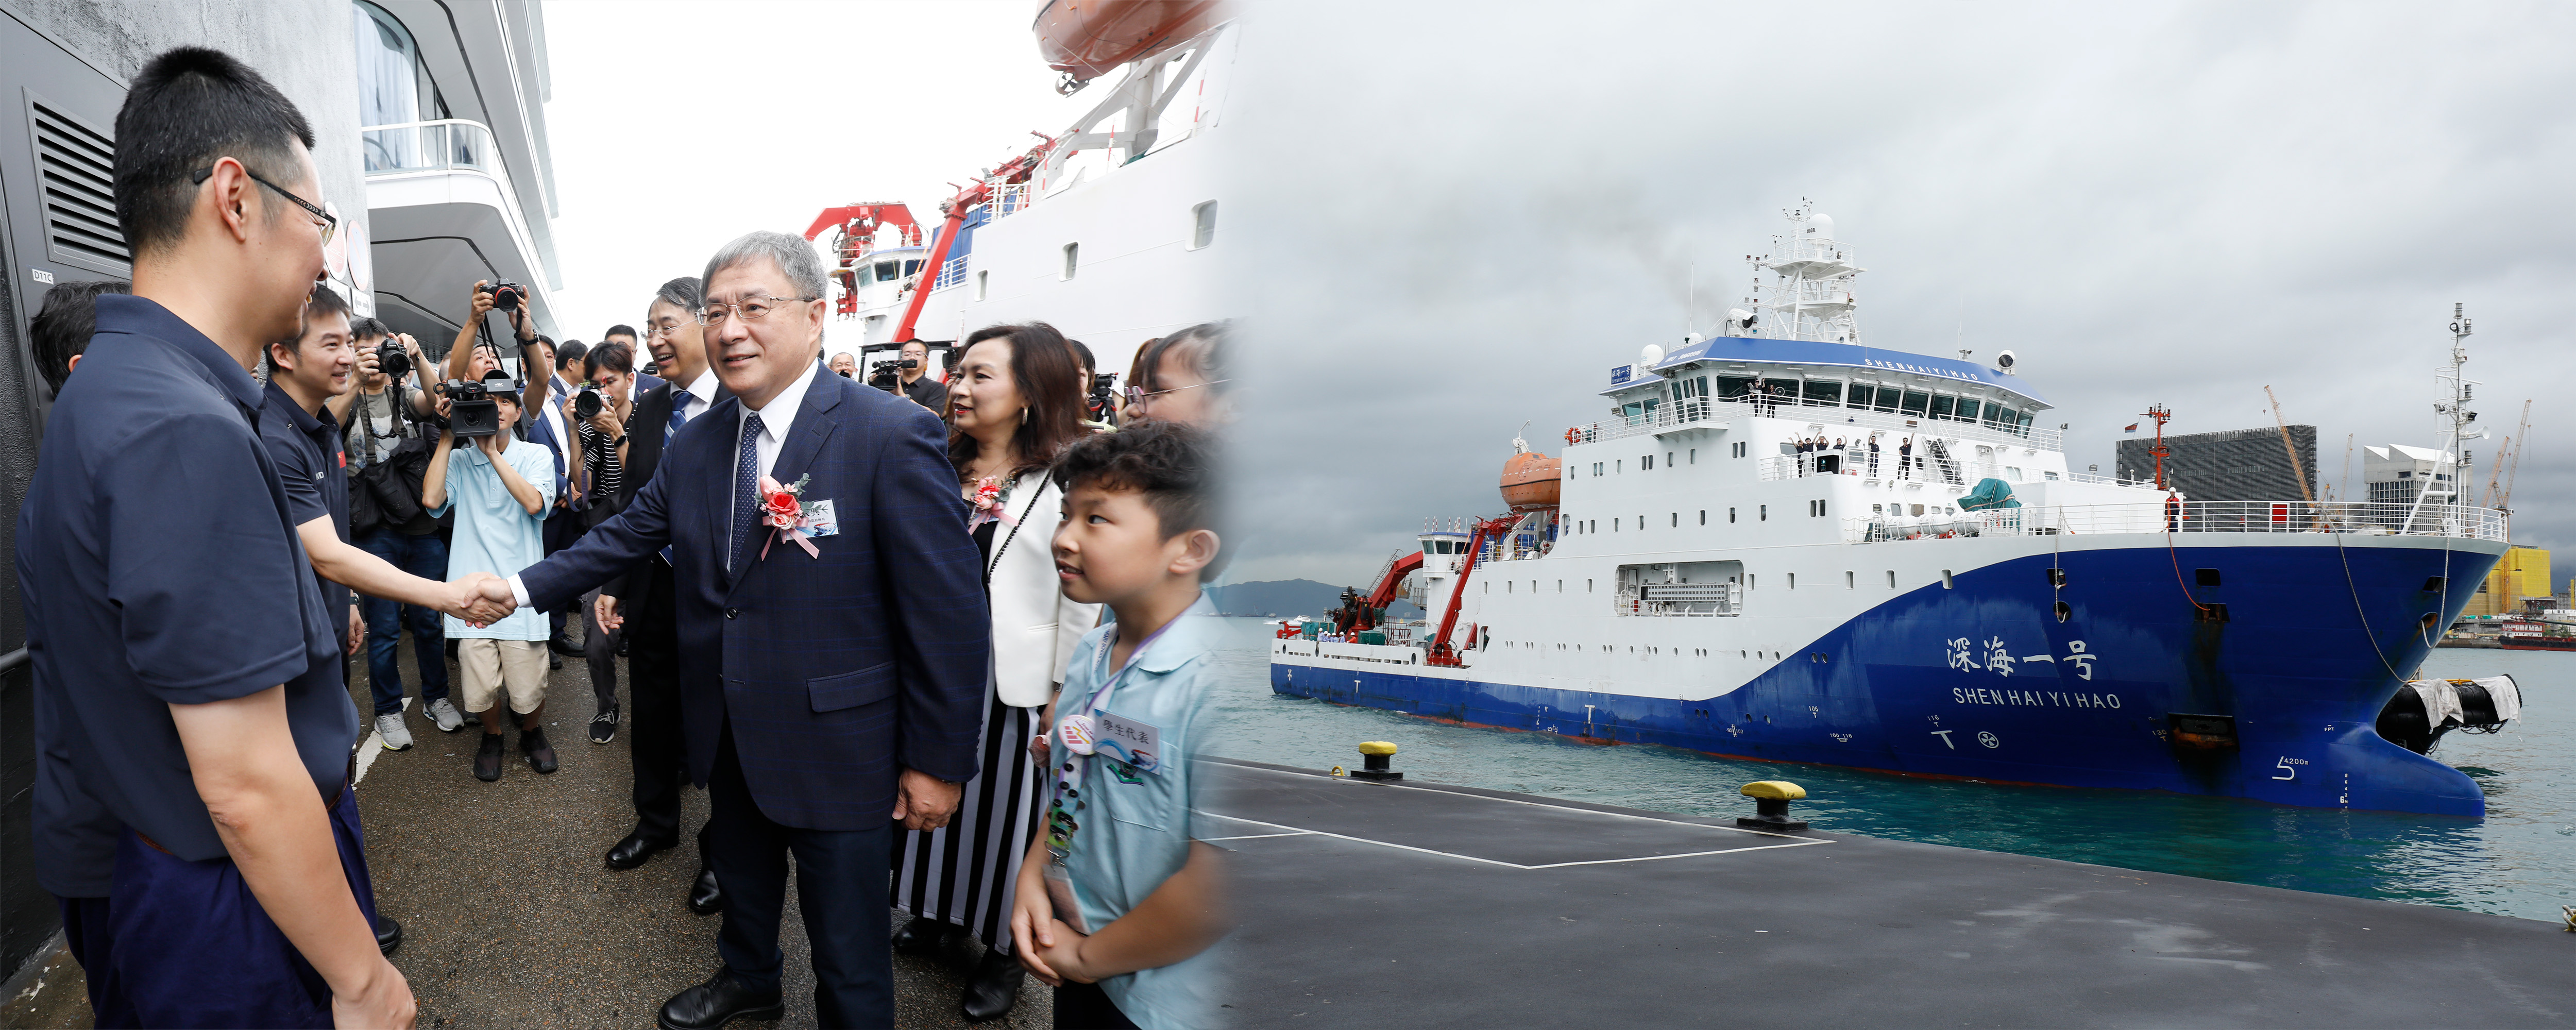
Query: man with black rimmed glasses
x=648 y=596
x=186 y=664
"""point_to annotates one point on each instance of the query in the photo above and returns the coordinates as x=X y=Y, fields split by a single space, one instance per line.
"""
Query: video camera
x=1103 y=401
x=888 y=375
x=505 y=296
x=471 y=411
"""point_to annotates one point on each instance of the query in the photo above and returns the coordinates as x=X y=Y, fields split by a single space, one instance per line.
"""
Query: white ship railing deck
x=2383 y=519
x=1833 y=420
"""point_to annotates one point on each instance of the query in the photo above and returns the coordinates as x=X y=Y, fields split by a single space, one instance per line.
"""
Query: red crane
x=1488 y=529
x=1014 y=171
x=858 y=225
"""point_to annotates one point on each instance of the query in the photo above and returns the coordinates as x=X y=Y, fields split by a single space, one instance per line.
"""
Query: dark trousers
x=92 y=941
x=424 y=556
x=1087 y=1007
x=654 y=742
x=193 y=947
x=840 y=887
x=599 y=650
x=563 y=529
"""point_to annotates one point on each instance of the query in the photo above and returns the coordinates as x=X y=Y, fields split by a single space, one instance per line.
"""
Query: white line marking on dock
x=1561 y=808
x=1301 y=832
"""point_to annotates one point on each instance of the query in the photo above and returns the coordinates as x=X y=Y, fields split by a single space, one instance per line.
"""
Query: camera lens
x=585 y=405
x=391 y=360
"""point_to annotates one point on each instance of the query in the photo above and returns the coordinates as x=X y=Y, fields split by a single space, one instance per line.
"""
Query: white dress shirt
x=701 y=393
x=776 y=418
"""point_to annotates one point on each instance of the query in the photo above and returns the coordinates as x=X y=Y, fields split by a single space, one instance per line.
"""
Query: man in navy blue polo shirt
x=304 y=374
x=184 y=659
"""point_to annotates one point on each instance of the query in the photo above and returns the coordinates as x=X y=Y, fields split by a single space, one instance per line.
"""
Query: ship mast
x=2453 y=407
x=1812 y=298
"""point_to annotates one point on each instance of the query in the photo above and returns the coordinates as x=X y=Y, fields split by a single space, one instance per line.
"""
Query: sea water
x=2520 y=860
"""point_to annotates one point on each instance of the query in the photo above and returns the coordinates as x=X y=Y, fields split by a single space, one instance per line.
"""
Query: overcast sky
x=679 y=126
x=1468 y=215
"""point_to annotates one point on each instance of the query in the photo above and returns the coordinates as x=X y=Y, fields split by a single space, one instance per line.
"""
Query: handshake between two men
x=480 y=599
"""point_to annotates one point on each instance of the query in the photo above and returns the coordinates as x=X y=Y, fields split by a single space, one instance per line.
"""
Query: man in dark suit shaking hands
x=831 y=671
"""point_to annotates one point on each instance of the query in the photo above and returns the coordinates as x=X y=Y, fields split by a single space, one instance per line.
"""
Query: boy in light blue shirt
x=1120 y=902
x=500 y=487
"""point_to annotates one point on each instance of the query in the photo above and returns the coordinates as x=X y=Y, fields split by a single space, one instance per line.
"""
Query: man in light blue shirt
x=500 y=488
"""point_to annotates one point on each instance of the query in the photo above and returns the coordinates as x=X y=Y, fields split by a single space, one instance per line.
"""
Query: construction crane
x=2505 y=500
x=2304 y=493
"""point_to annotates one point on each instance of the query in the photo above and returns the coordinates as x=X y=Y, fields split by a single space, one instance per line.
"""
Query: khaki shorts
x=488 y=667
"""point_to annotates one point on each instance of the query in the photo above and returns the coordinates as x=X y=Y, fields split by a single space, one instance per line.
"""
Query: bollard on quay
x=1373 y=761
x=1771 y=806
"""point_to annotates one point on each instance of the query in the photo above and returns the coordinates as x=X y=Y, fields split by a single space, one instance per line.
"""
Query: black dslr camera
x=471 y=411
x=587 y=402
x=505 y=296
x=392 y=360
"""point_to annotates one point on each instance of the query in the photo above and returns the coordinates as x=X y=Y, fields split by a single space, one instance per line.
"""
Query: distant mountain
x=1285 y=597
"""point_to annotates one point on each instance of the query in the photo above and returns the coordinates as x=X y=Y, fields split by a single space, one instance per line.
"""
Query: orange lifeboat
x=1086 y=39
x=1530 y=481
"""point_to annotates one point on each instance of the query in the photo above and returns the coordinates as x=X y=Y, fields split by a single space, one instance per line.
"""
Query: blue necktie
x=746 y=492
x=679 y=413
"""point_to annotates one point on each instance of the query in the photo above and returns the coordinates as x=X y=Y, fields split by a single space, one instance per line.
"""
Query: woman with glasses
x=1182 y=378
x=1014 y=401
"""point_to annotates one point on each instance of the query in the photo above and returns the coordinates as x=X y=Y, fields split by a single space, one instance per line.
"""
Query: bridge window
x=887 y=272
x=1860 y=395
x=1732 y=387
x=1888 y=396
x=1942 y=404
x=910 y=267
x=1916 y=402
x=1967 y=410
x=1827 y=392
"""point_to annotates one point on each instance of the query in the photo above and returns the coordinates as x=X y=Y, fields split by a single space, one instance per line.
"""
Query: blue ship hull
x=1951 y=682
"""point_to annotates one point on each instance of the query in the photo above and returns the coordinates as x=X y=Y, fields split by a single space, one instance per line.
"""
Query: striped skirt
x=964 y=873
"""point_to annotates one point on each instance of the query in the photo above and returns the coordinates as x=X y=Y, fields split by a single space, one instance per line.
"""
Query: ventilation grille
x=77 y=165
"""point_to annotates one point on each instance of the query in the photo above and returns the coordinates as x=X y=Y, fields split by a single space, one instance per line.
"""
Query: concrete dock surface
x=1421 y=905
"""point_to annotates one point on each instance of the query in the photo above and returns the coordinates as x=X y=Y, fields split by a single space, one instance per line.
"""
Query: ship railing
x=1827 y=417
x=2364 y=518
x=950 y=274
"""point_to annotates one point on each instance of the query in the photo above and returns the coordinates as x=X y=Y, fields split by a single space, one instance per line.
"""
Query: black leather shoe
x=564 y=646
x=922 y=936
x=388 y=934
x=541 y=755
x=992 y=988
x=706 y=896
x=487 y=758
x=632 y=851
x=717 y=1002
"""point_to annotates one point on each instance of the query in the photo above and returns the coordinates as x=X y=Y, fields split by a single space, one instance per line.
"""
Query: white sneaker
x=445 y=715
x=397 y=736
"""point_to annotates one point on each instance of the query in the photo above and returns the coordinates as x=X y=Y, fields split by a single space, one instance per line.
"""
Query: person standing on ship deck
x=1905 y=458
x=1016 y=403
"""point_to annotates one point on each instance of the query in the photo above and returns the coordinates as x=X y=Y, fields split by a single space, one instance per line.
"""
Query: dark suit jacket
x=834 y=672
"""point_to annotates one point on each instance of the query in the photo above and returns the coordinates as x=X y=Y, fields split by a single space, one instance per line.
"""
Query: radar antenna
x=1812 y=297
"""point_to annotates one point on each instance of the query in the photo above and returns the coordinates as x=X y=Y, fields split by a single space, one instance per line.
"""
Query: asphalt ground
x=1422 y=905
x=510 y=916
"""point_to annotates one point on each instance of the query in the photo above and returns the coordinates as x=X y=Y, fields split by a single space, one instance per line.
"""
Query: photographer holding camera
x=912 y=379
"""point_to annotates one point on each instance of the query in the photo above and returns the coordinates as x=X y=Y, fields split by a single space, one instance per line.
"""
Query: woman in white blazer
x=1013 y=403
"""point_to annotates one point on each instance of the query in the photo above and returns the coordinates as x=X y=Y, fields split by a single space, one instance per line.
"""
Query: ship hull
x=2139 y=686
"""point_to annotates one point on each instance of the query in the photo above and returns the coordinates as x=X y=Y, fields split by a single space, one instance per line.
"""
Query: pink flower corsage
x=781 y=509
x=988 y=506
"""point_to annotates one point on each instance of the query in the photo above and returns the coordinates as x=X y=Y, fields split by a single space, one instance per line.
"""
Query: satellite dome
x=1651 y=356
x=1820 y=226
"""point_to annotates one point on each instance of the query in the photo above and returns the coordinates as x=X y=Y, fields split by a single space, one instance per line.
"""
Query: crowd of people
x=944 y=635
